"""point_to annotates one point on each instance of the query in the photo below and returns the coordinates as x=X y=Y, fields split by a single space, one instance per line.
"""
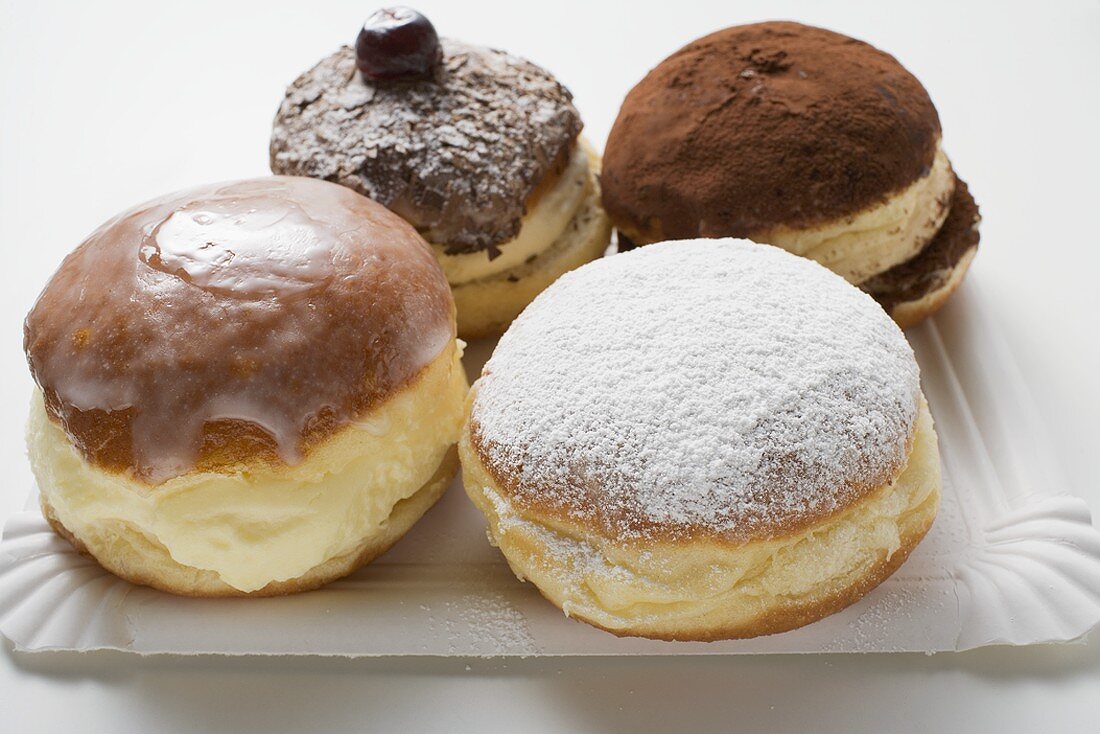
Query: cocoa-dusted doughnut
x=785 y=134
x=244 y=388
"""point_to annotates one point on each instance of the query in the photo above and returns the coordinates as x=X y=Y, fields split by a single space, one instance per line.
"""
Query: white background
x=105 y=104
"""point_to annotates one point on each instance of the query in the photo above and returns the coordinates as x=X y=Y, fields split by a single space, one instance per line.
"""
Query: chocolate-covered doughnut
x=480 y=152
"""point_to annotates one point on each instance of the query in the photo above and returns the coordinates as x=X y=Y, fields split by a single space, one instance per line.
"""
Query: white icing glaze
x=284 y=303
x=249 y=253
x=713 y=386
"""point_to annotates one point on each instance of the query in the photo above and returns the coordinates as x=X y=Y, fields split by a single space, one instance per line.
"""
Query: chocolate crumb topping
x=763 y=125
x=931 y=268
x=458 y=155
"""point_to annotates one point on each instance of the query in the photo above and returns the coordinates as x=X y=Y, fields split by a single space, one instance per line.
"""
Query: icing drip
x=234 y=320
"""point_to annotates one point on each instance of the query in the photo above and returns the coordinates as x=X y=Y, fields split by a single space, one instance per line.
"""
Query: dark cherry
x=397 y=43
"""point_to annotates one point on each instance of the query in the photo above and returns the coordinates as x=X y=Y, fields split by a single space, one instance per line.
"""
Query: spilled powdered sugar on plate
x=710 y=386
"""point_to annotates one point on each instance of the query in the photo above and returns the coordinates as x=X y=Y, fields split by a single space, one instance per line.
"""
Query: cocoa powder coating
x=763 y=125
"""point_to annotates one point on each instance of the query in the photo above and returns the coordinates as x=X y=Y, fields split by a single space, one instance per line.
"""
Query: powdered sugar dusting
x=707 y=386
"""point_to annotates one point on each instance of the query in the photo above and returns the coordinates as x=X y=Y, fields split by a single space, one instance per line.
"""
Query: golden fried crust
x=239 y=321
x=795 y=615
x=147 y=563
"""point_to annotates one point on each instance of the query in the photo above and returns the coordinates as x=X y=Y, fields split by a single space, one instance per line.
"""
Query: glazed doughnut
x=789 y=135
x=244 y=388
x=702 y=440
x=483 y=157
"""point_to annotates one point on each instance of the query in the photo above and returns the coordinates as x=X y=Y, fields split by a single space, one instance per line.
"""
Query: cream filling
x=540 y=228
x=878 y=238
x=264 y=524
x=487 y=305
x=667 y=586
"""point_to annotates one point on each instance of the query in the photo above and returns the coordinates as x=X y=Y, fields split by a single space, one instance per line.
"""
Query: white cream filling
x=540 y=228
x=878 y=238
x=263 y=523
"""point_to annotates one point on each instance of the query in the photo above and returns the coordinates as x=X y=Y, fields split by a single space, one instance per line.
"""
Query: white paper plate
x=1010 y=560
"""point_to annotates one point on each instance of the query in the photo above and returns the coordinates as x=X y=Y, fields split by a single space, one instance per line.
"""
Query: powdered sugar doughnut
x=701 y=440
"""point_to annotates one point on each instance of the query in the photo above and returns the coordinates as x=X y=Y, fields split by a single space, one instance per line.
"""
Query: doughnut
x=787 y=135
x=702 y=440
x=915 y=289
x=483 y=155
x=245 y=388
